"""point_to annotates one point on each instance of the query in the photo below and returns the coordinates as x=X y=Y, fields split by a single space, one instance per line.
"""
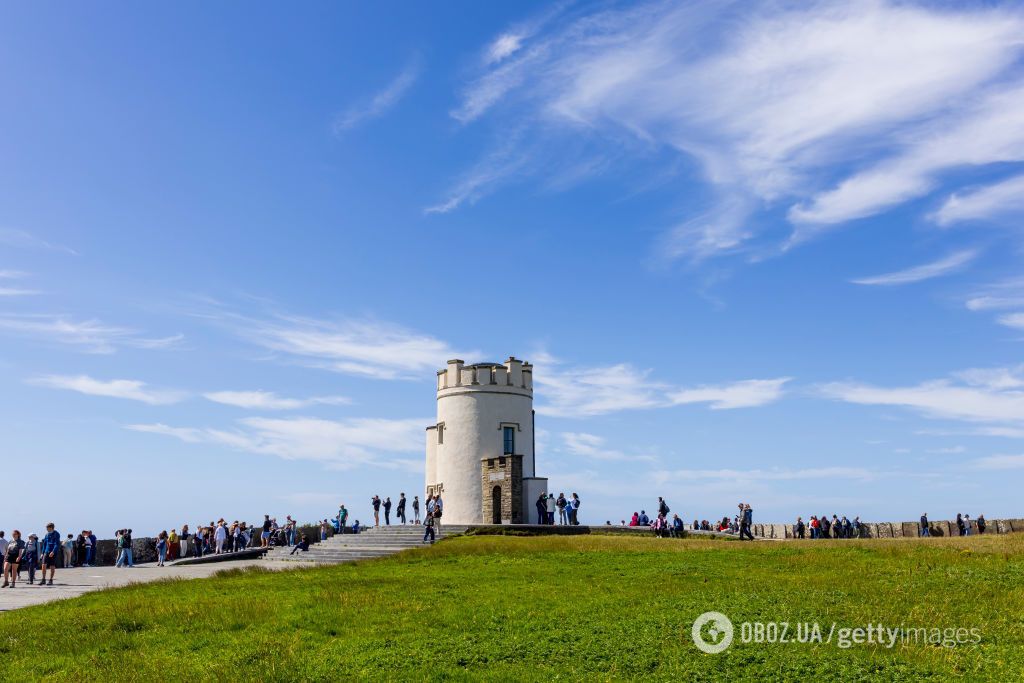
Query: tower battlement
x=512 y=376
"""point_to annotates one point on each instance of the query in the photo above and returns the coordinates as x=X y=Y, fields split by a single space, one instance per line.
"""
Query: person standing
x=550 y=509
x=967 y=525
x=542 y=509
x=3 y=549
x=92 y=543
x=172 y=545
x=663 y=507
x=68 y=548
x=416 y=509
x=923 y=528
x=265 y=534
x=323 y=530
x=561 y=503
x=50 y=552
x=387 y=511
x=376 y=509
x=574 y=510
x=161 y=548
x=12 y=559
x=981 y=524
x=438 y=511
x=342 y=518
x=798 y=528
x=960 y=524
x=219 y=536
x=401 y=507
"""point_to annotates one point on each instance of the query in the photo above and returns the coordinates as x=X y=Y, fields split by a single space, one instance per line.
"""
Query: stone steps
x=372 y=543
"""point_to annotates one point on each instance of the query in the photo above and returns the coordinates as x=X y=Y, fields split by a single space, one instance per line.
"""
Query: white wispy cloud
x=186 y=434
x=498 y=166
x=745 y=394
x=15 y=291
x=382 y=101
x=1014 y=320
x=359 y=347
x=987 y=395
x=594 y=447
x=268 y=400
x=132 y=390
x=26 y=240
x=585 y=392
x=838 y=110
x=927 y=271
x=999 y=462
x=993 y=201
x=860 y=473
x=90 y=336
x=340 y=444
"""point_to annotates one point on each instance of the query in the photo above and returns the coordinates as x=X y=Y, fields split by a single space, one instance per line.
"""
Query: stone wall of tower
x=475 y=403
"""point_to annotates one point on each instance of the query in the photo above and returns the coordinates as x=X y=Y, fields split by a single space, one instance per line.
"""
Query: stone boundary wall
x=940 y=528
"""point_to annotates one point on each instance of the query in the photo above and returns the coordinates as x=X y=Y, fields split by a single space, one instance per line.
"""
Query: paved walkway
x=70 y=583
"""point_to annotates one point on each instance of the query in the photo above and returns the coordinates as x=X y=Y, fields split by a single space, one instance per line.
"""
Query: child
x=30 y=557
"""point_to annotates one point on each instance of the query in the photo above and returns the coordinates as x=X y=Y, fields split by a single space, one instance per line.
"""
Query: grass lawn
x=571 y=608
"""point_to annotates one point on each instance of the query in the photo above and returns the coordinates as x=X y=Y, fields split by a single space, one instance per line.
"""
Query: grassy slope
x=543 y=608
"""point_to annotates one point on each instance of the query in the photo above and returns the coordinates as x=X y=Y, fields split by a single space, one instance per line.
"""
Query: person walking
x=923 y=528
x=550 y=509
x=51 y=550
x=376 y=510
x=401 y=507
x=30 y=559
x=542 y=509
x=387 y=511
x=428 y=529
x=125 y=544
x=415 y=509
x=663 y=509
x=12 y=559
x=746 y=521
x=561 y=503
x=967 y=525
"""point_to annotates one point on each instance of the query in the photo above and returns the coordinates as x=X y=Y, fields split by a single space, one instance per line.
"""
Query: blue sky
x=767 y=253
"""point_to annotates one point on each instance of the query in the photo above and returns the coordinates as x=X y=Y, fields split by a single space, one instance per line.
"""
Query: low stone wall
x=899 y=529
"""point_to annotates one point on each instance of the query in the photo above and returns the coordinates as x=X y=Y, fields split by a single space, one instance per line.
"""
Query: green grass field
x=569 y=608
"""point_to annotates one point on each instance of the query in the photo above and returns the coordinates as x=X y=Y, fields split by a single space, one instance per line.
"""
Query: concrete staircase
x=373 y=542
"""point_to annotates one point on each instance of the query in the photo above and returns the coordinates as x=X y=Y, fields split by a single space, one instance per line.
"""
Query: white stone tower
x=480 y=453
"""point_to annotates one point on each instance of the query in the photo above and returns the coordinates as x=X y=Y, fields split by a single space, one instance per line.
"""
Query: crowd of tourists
x=30 y=555
x=567 y=508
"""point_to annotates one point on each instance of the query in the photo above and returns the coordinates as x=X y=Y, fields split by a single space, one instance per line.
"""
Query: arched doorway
x=496 y=505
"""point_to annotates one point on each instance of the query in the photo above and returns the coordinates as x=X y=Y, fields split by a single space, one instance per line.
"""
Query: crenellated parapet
x=513 y=376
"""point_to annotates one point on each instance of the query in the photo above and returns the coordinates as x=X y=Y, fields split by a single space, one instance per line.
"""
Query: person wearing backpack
x=561 y=503
x=663 y=507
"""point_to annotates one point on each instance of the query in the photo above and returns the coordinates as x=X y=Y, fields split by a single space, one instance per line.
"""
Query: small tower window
x=510 y=440
x=440 y=433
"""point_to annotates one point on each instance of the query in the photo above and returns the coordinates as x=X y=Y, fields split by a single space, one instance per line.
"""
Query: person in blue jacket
x=50 y=552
